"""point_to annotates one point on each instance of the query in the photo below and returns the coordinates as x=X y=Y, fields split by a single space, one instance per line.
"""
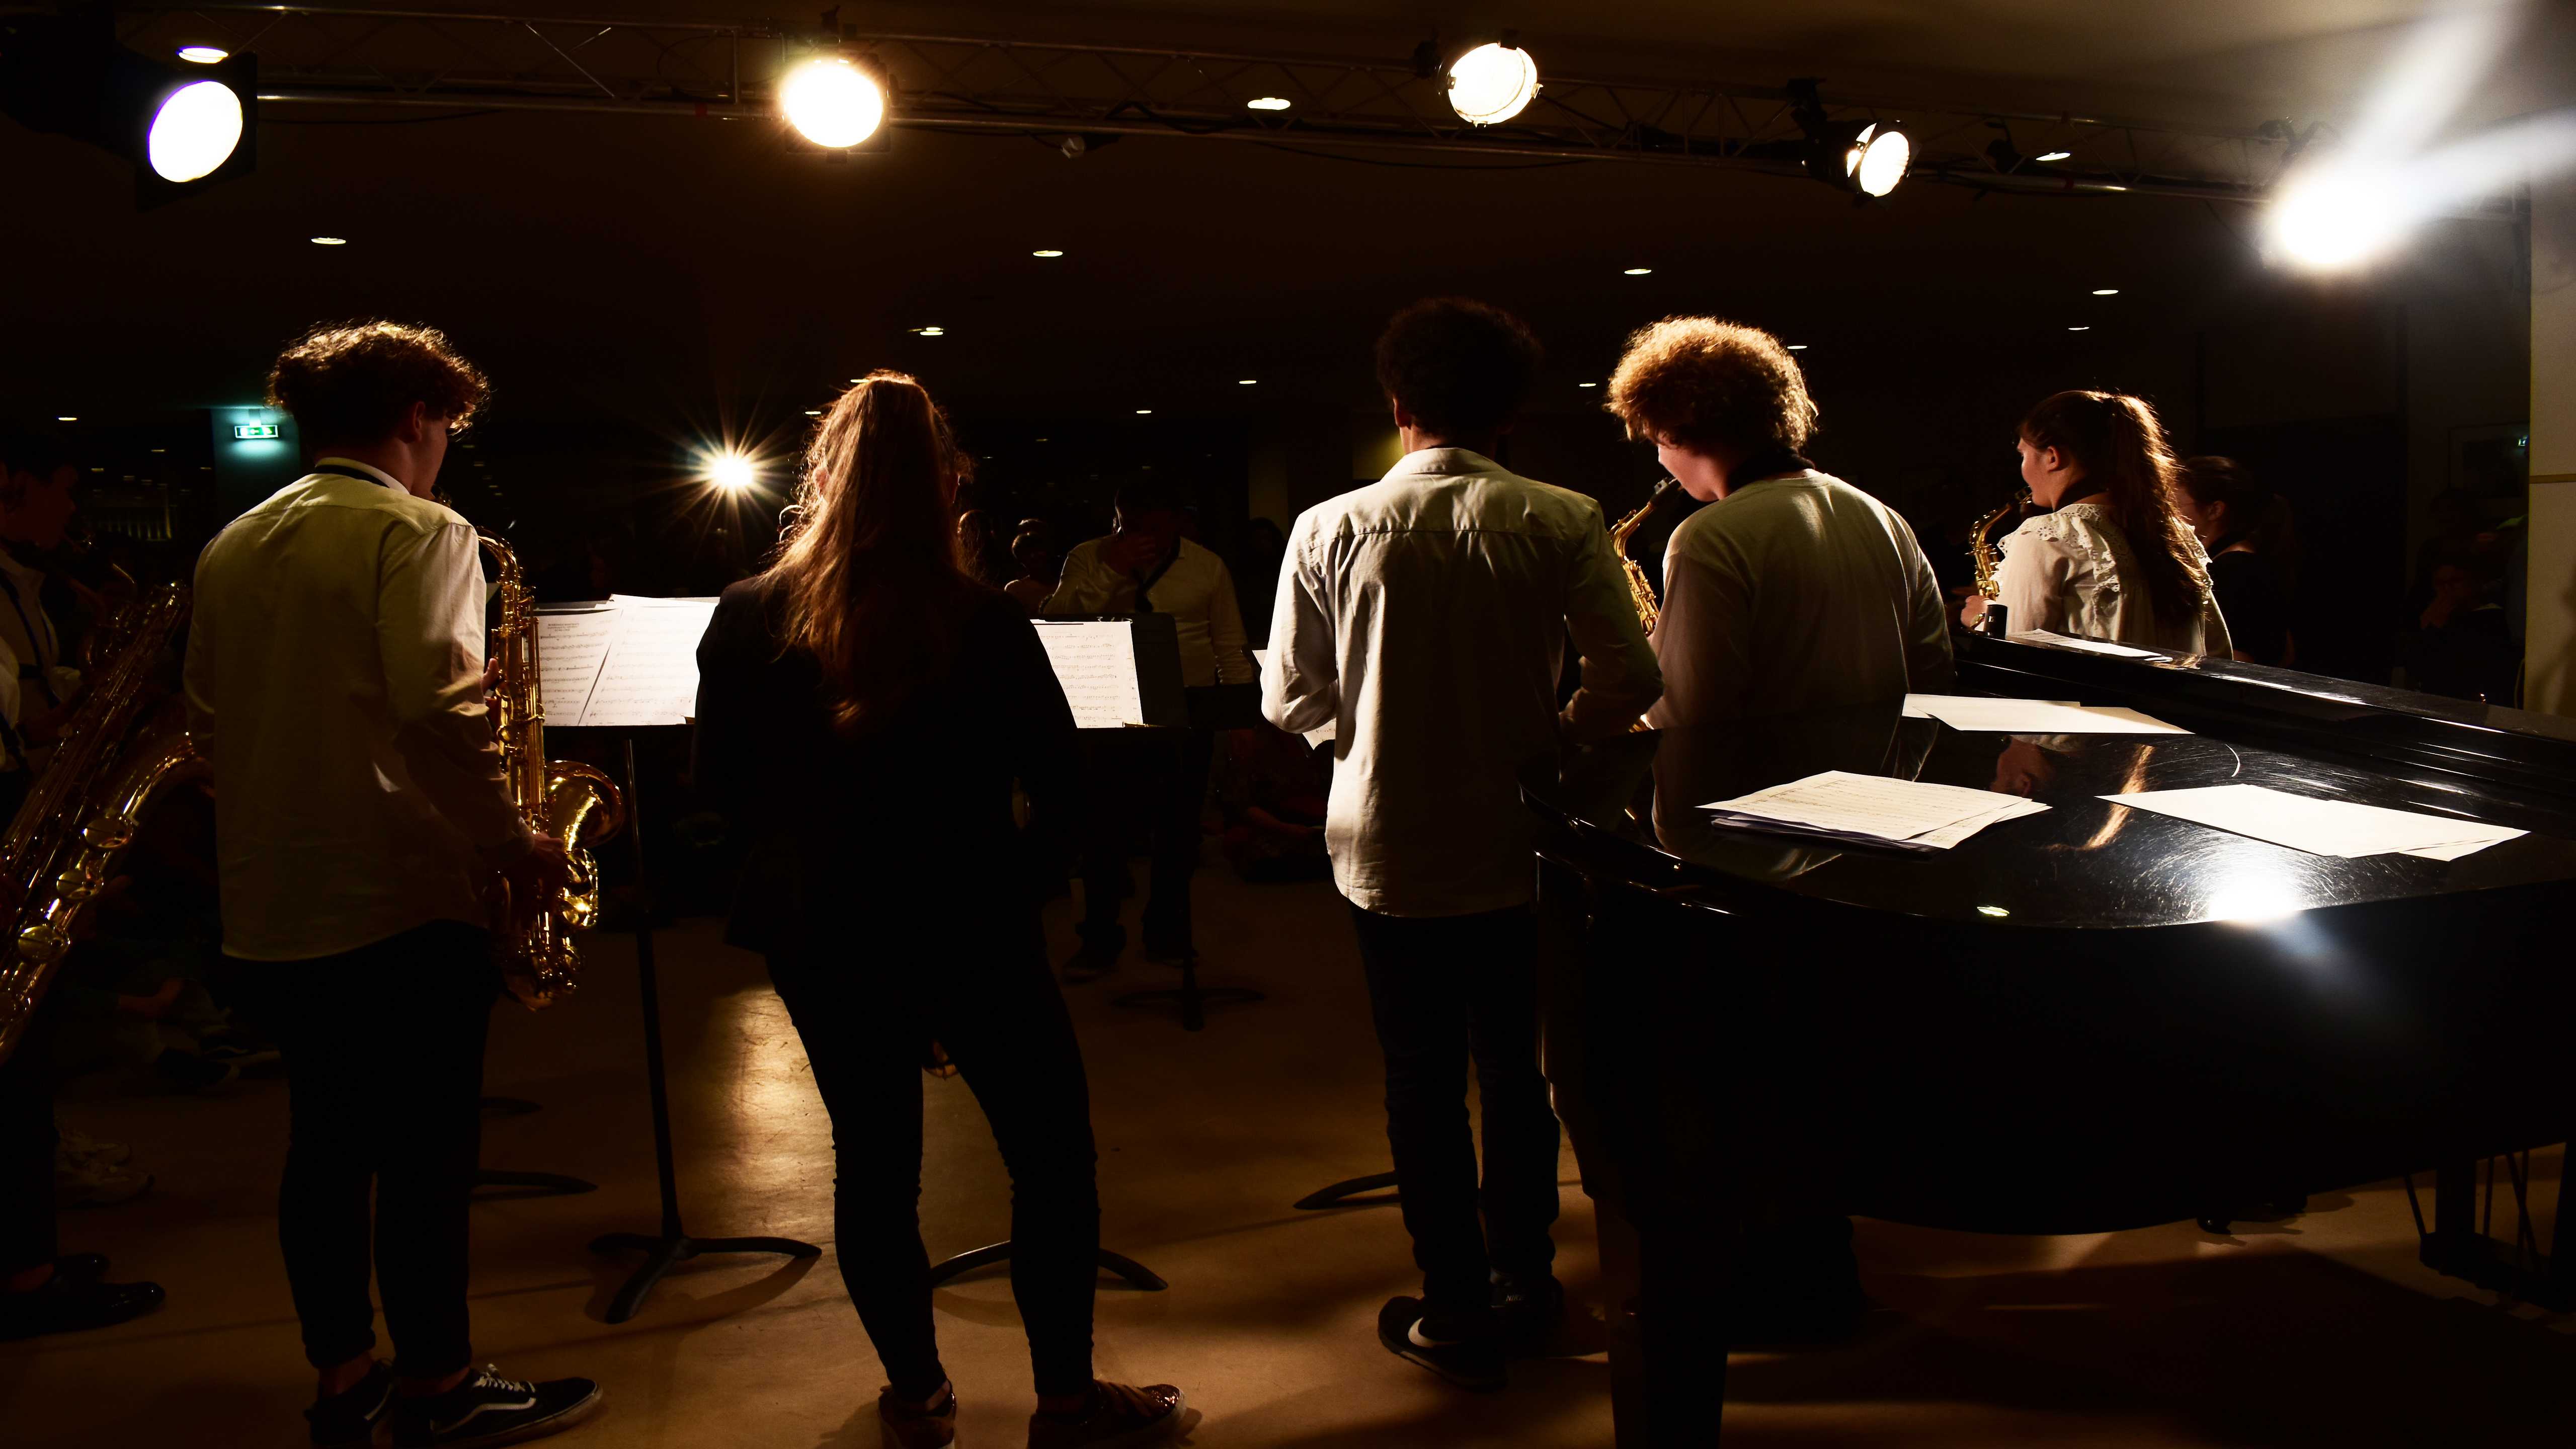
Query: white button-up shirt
x=1794 y=593
x=2072 y=571
x=335 y=678
x=1424 y=617
x=1197 y=591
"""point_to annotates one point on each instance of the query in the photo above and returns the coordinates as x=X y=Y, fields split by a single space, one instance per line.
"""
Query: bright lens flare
x=732 y=472
x=831 y=103
x=195 y=131
x=1491 y=84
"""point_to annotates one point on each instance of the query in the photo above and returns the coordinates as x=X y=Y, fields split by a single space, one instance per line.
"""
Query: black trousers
x=866 y=1025
x=384 y=1068
x=27 y=1141
x=1156 y=780
x=1448 y=990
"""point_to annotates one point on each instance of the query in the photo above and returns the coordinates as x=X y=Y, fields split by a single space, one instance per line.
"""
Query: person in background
x=335 y=678
x=1033 y=551
x=863 y=679
x=1145 y=566
x=37 y=503
x=977 y=551
x=2114 y=557
x=2463 y=645
x=1272 y=788
x=1793 y=590
x=1425 y=618
x=1262 y=547
x=2253 y=555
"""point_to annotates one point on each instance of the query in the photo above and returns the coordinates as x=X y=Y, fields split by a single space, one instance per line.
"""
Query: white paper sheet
x=642 y=662
x=1095 y=661
x=1876 y=807
x=2320 y=827
x=2035 y=716
x=571 y=644
x=2089 y=646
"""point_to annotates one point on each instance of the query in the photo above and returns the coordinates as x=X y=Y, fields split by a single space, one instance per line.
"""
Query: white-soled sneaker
x=487 y=1409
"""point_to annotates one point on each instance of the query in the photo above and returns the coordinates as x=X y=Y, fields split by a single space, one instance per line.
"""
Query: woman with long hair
x=863 y=710
x=2253 y=554
x=2113 y=555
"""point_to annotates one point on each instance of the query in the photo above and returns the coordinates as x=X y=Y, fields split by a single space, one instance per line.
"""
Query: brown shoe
x=1119 y=1414
x=910 y=1426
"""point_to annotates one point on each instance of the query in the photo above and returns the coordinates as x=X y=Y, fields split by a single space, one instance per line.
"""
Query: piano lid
x=2085 y=864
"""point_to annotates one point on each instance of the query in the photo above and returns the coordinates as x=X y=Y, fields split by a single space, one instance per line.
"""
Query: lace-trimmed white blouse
x=2072 y=572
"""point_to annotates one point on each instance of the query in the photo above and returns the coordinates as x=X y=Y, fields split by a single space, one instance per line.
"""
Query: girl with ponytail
x=2115 y=556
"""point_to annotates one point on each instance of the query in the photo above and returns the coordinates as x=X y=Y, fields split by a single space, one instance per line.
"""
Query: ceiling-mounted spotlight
x=185 y=125
x=1492 y=83
x=832 y=102
x=1866 y=158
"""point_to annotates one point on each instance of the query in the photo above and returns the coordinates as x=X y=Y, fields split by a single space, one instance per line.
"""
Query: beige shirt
x=2071 y=572
x=1424 y=618
x=1197 y=591
x=1794 y=593
x=334 y=676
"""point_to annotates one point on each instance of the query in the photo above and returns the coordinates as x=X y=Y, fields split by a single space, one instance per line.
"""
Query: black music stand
x=1137 y=1274
x=673 y=1245
x=1348 y=1193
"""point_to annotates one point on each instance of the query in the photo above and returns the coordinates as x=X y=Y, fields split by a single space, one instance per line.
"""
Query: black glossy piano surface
x=2089 y=1019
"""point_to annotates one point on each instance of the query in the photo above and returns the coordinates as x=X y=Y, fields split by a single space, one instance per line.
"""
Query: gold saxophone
x=113 y=760
x=1640 y=592
x=562 y=798
x=1983 y=555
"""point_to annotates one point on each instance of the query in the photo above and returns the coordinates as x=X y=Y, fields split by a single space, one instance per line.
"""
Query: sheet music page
x=571 y=644
x=2036 y=716
x=1878 y=806
x=2320 y=827
x=1095 y=662
x=650 y=676
x=2089 y=646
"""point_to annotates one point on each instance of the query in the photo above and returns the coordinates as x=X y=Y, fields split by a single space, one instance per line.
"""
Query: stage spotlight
x=1266 y=103
x=832 y=103
x=1492 y=83
x=1877 y=159
x=731 y=471
x=2054 y=156
x=1867 y=159
x=185 y=124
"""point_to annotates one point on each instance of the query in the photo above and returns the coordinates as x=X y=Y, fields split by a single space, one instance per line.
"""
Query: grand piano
x=2089 y=1019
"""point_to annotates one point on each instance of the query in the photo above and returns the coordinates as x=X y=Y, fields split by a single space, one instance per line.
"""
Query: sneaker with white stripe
x=487 y=1409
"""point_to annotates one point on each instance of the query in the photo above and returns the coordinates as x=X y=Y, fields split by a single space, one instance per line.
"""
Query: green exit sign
x=254 y=430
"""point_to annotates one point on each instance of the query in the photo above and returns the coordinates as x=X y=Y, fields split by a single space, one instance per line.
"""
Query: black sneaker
x=68 y=1304
x=350 y=1417
x=489 y=1409
x=1528 y=1310
x=1463 y=1349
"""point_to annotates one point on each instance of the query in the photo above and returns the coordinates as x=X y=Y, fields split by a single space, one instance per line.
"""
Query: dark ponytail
x=2120 y=447
x=2255 y=513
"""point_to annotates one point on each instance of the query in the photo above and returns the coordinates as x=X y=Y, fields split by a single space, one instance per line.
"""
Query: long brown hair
x=2117 y=442
x=868 y=576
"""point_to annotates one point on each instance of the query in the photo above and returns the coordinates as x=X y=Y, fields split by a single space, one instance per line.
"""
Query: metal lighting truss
x=1080 y=95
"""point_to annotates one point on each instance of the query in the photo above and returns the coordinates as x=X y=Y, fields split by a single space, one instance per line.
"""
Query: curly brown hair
x=1706 y=383
x=352 y=382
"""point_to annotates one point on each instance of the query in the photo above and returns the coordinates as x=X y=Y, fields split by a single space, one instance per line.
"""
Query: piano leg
x=1680 y=1335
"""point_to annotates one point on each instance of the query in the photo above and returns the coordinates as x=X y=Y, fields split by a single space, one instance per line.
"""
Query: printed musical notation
x=630 y=662
x=1095 y=661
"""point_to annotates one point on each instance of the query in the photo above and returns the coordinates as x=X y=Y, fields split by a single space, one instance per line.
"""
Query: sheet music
x=2035 y=716
x=2089 y=646
x=643 y=657
x=1876 y=808
x=571 y=643
x=2321 y=827
x=1095 y=662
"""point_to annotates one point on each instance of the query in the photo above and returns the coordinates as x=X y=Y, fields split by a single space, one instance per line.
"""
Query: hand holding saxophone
x=535 y=878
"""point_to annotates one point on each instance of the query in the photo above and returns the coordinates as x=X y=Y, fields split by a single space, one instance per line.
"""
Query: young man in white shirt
x=1424 y=618
x=1145 y=566
x=1793 y=590
x=335 y=676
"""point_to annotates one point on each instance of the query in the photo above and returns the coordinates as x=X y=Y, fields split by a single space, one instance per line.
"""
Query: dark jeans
x=384 y=1074
x=1446 y=990
x=866 y=1026
x=27 y=1152
x=1157 y=782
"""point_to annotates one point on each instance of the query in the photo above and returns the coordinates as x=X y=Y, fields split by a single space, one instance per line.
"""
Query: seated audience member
x=1272 y=789
x=2114 y=557
x=864 y=678
x=2464 y=645
x=1033 y=551
x=1426 y=617
x=2253 y=555
x=976 y=551
x=1792 y=590
x=1147 y=566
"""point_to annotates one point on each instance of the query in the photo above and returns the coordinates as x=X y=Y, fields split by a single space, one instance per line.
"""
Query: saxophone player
x=335 y=678
x=1793 y=590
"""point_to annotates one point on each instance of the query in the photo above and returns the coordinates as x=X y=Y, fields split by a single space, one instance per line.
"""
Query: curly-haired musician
x=335 y=678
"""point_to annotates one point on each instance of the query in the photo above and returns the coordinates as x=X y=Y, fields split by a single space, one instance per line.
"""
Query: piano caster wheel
x=2219 y=1227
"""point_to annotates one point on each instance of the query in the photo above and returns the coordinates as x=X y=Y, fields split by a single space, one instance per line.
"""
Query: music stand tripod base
x=1137 y=1274
x=1192 y=998
x=1348 y=1193
x=663 y=1254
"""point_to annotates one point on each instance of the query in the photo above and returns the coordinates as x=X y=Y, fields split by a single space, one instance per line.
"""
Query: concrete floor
x=2314 y=1332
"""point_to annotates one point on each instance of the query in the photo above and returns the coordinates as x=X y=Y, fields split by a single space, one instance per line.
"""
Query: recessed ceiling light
x=330 y=241
x=1992 y=911
x=1640 y=271
x=1246 y=381
x=1046 y=252
x=1141 y=412
x=1266 y=103
x=2079 y=329
x=2115 y=188
x=813 y=412
x=204 y=54
x=930 y=332
x=2056 y=155
x=1587 y=384
x=160 y=450
x=1797 y=347
x=65 y=418
x=2106 y=291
